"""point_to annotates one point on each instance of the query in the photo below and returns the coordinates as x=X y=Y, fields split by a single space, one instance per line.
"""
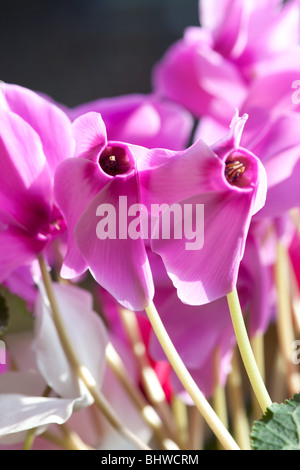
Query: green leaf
x=4 y=315
x=14 y=315
x=279 y=427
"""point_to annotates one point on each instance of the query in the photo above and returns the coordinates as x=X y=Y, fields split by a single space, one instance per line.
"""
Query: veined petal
x=141 y=120
x=17 y=248
x=20 y=413
x=90 y=136
x=175 y=77
x=50 y=123
x=282 y=195
x=166 y=177
x=199 y=78
x=89 y=338
x=77 y=182
x=258 y=284
x=207 y=270
x=118 y=262
x=25 y=180
x=232 y=139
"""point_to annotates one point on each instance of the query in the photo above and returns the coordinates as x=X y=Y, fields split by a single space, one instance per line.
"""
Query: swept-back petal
x=166 y=177
x=20 y=413
x=17 y=248
x=50 y=123
x=77 y=182
x=117 y=261
x=141 y=120
x=207 y=271
x=25 y=192
x=90 y=136
x=86 y=332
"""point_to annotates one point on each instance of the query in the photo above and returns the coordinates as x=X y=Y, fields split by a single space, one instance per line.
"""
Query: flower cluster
x=176 y=199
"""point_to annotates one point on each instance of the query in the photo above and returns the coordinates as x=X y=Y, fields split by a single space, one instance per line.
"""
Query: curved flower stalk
x=35 y=135
x=209 y=69
x=198 y=331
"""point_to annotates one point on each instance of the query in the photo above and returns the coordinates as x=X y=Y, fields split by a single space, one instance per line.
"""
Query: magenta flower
x=45 y=118
x=249 y=33
x=272 y=133
x=101 y=173
x=143 y=120
x=209 y=69
x=229 y=182
x=34 y=136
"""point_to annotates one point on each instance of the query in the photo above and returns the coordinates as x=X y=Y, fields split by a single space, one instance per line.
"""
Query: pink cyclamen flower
x=34 y=136
x=145 y=120
x=228 y=180
x=225 y=180
x=85 y=187
x=209 y=69
x=272 y=133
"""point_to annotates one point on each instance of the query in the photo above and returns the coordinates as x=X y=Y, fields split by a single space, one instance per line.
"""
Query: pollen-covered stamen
x=115 y=161
x=234 y=170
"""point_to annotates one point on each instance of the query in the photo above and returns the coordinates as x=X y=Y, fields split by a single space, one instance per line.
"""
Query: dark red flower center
x=234 y=169
x=115 y=161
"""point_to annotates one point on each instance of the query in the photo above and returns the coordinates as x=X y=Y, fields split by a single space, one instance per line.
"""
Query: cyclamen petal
x=17 y=248
x=50 y=123
x=77 y=182
x=101 y=173
x=76 y=309
x=90 y=136
x=209 y=70
x=25 y=181
x=164 y=174
x=198 y=78
x=140 y=119
x=271 y=133
x=19 y=413
x=118 y=262
x=34 y=136
x=256 y=275
x=237 y=27
x=203 y=274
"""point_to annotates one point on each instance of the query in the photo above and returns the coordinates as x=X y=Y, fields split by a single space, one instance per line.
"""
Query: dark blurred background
x=80 y=50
